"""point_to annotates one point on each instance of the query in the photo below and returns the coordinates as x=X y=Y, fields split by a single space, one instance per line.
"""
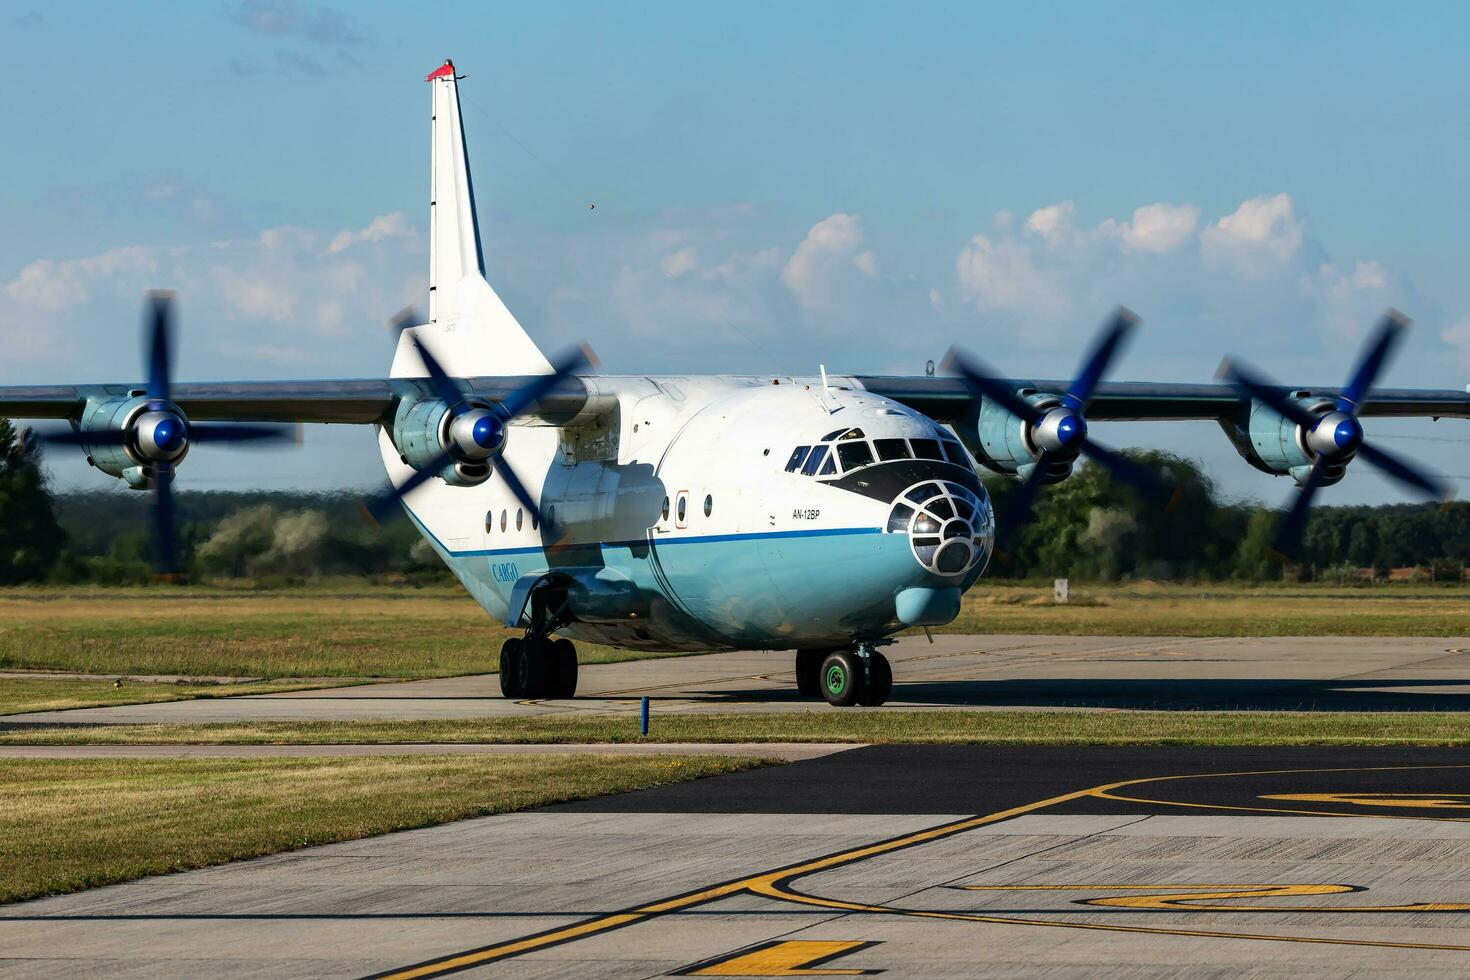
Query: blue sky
x=776 y=185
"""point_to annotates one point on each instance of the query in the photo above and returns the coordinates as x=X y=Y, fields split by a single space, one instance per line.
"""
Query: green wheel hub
x=836 y=679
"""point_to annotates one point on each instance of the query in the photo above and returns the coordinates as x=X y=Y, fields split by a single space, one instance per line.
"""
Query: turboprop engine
x=142 y=436
x=129 y=437
x=1039 y=435
x=1278 y=445
x=458 y=439
x=1049 y=440
x=1314 y=438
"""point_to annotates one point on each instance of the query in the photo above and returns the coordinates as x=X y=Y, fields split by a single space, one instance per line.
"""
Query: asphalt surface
x=979 y=672
x=919 y=861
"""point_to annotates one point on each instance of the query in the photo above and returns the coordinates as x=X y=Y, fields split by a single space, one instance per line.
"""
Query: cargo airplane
x=819 y=515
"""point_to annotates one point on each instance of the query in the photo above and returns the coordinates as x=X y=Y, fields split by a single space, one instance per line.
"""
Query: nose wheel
x=847 y=678
x=538 y=667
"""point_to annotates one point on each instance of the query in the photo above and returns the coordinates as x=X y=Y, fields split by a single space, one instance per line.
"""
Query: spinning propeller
x=477 y=429
x=1059 y=432
x=159 y=436
x=1335 y=437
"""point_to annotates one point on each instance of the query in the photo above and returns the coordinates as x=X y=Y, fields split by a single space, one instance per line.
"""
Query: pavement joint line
x=777 y=885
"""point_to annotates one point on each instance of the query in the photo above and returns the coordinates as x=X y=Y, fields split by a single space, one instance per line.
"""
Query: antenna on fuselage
x=826 y=389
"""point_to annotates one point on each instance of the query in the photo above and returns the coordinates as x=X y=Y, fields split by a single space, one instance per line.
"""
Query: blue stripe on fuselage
x=660 y=540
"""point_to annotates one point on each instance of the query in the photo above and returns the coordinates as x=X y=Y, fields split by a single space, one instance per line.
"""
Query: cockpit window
x=798 y=456
x=830 y=469
x=852 y=434
x=813 y=461
x=833 y=435
x=927 y=449
x=956 y=452
x=854 y=454
x=892 y=448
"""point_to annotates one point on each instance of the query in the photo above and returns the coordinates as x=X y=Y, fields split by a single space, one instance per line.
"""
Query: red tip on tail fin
x=445 y=69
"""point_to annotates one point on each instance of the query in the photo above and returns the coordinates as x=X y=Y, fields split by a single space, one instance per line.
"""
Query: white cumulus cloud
x=816 y=270
x=1258 y=239
x=382 y=227
x=1161 y=227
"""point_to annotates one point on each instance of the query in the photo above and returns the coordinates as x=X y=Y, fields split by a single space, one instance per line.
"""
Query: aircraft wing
x=361 y=401
x=951 y=400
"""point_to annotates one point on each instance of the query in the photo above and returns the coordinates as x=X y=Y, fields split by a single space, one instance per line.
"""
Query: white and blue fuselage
x=724 y=512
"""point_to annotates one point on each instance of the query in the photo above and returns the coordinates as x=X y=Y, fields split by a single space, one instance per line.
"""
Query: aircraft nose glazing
x=950 y=528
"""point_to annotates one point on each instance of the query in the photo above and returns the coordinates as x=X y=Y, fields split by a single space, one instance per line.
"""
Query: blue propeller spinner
x=477 y=430
x=160 y=434
x=1059 y=432
x=1336 y=436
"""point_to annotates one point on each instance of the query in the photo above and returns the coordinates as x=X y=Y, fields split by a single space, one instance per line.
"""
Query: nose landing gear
x=844 y=678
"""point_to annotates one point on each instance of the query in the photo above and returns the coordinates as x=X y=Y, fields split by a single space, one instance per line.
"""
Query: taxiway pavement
x=919 y=861
x=1075 y=672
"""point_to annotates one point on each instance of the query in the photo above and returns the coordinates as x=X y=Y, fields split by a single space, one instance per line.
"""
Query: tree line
x=1088 y=528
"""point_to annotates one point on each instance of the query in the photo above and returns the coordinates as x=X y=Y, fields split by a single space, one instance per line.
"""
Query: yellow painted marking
x=1435 y=801
x=1189 y=901
x=792 y=958
x=593 y=926
x=786 y=894
x=773 y=884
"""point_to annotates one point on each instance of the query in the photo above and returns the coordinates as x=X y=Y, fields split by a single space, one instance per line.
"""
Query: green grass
x=338 y=630
x=21 y=694
x=1150 y=609
x=71 y=824
x=976 y=727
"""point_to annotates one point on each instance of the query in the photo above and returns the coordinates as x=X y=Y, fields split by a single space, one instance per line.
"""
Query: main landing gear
x=538 y=667
x=847 y=677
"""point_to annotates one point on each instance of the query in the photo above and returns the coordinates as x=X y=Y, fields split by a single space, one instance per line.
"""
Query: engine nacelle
x=1007 y=443
x=1276 y=445
x=154 y=433
x=424 y=429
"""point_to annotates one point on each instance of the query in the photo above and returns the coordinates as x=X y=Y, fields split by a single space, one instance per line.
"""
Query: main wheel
x=563 y=669
x=512 y=652
x=532 y=674
x=842 y=678
x=880 y=680
x=809 y=673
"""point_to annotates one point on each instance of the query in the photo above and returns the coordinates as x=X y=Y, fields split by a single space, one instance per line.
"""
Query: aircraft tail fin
x=468 y=322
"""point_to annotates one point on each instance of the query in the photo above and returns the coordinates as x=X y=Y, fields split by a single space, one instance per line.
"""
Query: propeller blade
x=160 y=343
x=208 y=432
x=67 y=437
x=1124 y=470
x=508 y=474
x=443 y=385
x=1096 y=363
x=378 y=508
x=1375 y=354
x=522 y=398
x=1018 y=510
x=1289 y=531
x=1254 y=385
x=1404 y=473
x=163 y=518
x=979 y=377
